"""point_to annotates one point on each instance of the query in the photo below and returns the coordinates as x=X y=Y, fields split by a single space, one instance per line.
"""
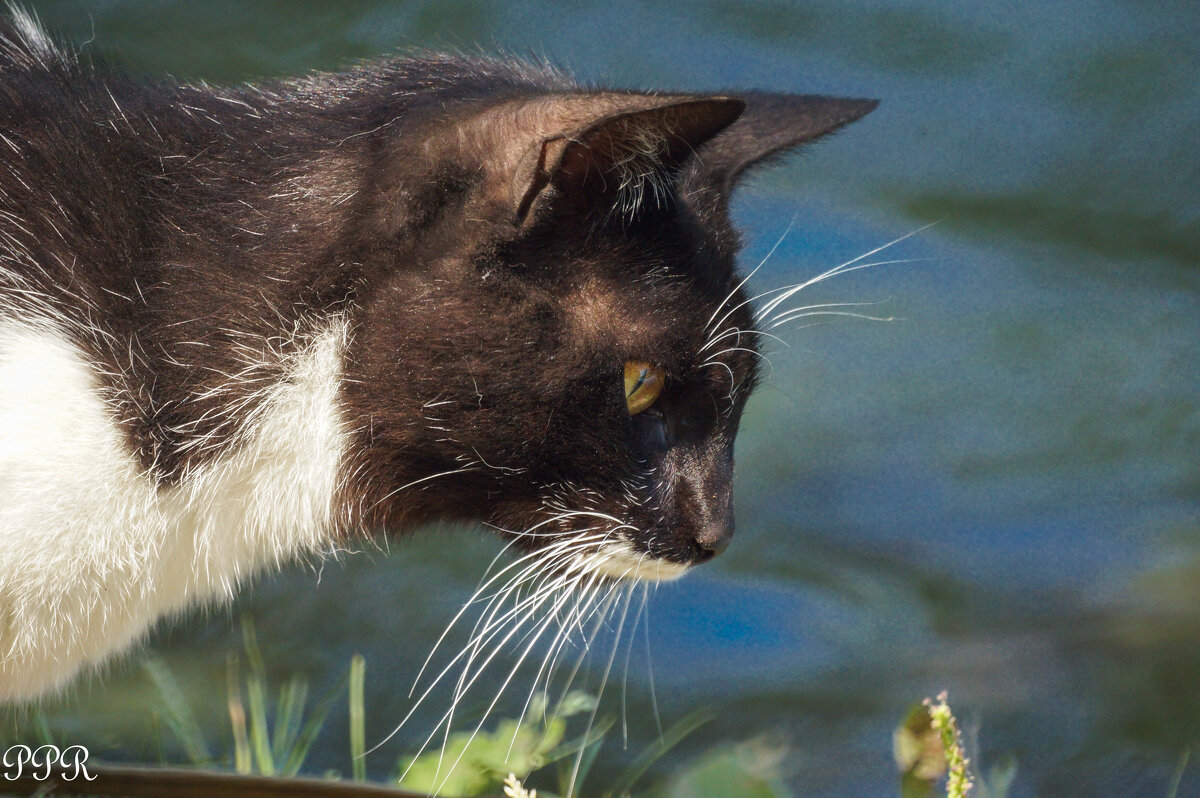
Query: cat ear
x=771 y=125
x=627 y=150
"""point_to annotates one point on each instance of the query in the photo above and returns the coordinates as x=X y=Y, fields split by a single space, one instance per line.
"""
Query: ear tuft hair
x=615 y=152
x=630 y=159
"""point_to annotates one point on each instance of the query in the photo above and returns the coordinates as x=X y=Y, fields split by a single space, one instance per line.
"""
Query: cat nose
x=706 y=500
x=714 y=537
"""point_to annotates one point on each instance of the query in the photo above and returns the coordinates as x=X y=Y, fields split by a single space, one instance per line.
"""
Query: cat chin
x=619 y=561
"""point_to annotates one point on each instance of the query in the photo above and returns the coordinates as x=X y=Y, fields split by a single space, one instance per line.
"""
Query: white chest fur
x=92 y=551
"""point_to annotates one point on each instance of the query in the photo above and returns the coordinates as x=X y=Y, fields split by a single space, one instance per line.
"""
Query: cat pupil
x=643 y=384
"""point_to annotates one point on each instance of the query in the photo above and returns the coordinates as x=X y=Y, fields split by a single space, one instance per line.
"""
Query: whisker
x=465 y=684
x=650 y=660
x=484 y=583
x=415 y=482
x=599 y=694
x=493 y=623
x=570 y=581
x=549 y=661
x=837 y=271
x=822 y=306
x=514 y=582
x=786 y=318
x=625 y=672
x=840 y=269
x=545 y=624
x=732 y=377
x=599 y=611
x=526 y=607
x=800 y=285
x=712 y=360
x=746 y=279
x=561 y=586
x=739 y=332
x=548 y=551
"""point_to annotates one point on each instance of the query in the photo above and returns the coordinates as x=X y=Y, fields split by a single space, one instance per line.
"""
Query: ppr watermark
x=41 y=762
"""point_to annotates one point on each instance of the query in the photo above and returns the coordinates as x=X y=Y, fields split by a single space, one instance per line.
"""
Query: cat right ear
x=772 y=125
x=612 y=151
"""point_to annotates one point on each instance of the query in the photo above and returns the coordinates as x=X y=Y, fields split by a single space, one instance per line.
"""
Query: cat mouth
x=621 y=562
x=605 y=551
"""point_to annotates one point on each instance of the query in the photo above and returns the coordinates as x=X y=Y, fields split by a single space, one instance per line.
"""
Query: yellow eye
x=643 y=384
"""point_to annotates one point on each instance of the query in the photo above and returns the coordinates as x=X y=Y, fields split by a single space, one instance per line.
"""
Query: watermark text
x=42 y=761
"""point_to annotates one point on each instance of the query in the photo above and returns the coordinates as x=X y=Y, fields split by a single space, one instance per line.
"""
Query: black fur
x=501 y=240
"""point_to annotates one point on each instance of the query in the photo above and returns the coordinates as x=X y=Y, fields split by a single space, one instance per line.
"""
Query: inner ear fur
x=609 y=152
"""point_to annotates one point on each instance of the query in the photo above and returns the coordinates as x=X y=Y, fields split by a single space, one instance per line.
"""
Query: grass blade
x=310 y=730
x=256 y=691
x=242 y=761
x=358 y=734
x=178 y=714
x=1173 y=791
x=670 y=738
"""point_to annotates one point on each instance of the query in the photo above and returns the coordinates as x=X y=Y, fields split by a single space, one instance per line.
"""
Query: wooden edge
x=139 y=782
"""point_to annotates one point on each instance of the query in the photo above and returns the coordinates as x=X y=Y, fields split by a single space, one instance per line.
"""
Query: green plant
x=958 y=780
x=279 y=741
x=358 y=718
x=928 y=745
x=1173 y=789
x=273 y=730
x=268 y=739
x=177 y=714
x=472 y=763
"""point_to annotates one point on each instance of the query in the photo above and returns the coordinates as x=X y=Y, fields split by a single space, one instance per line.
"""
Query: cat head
x=558 y=343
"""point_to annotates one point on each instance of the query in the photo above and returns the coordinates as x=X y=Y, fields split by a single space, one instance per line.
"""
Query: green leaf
x=454 y=771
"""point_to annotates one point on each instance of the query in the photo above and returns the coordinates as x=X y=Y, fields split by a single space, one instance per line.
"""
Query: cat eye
x=643 y=384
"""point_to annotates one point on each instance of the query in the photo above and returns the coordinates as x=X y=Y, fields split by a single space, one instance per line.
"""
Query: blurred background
x=997 y=494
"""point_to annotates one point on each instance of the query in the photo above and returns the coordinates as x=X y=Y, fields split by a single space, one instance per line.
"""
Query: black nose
x=714 y=538
x=704 y=496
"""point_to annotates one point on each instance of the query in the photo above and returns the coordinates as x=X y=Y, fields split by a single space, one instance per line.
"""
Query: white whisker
x=476 y=638
x=542 y=553
x=708 y=324
x=465 y=684
x=650 y=660
x=599 y=694
x=786 y=319
x=570 y=583
x=837 y=271
x=536 y=635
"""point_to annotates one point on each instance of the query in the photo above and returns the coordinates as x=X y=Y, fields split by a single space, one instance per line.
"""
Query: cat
x=240 y=326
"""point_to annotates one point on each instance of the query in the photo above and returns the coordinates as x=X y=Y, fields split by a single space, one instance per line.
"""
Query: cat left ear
x=772 y=125
x=622 y=156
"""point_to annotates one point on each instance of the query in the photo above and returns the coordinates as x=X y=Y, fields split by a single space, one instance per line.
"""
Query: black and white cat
x=238 y=326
